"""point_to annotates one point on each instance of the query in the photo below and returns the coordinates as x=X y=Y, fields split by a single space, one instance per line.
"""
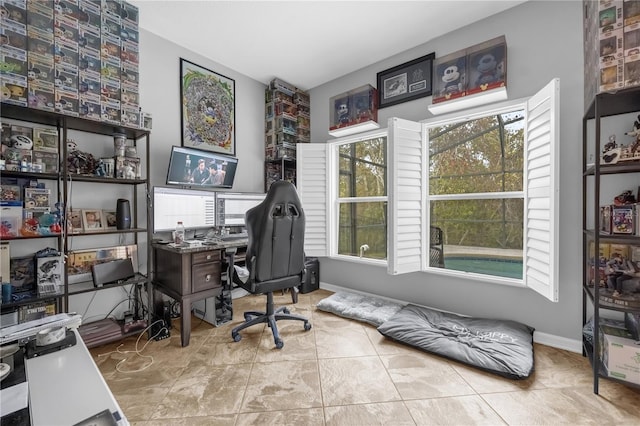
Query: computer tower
x=215 y=310
x=312 y=279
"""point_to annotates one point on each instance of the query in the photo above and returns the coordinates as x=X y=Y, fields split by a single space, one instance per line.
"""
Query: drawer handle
x=208 y=257
x=207 y=278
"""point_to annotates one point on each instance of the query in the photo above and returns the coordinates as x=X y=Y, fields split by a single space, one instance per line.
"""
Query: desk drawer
x=205 y=256
x=205 y=276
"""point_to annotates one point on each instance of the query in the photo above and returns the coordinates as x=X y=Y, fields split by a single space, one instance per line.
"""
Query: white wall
x=544 y=40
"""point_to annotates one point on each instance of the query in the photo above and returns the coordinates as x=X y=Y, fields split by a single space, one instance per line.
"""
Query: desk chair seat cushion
x=499 y=346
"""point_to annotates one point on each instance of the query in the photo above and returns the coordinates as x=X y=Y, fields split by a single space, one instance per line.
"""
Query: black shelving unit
x=603 y=105
x=64 y=177
x=287 y=123
x=280 y=169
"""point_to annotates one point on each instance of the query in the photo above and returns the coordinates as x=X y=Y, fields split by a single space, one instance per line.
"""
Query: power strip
x=136 y=325
x=159 y=331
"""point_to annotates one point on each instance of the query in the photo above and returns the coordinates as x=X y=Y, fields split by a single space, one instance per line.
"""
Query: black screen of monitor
x=199 y=168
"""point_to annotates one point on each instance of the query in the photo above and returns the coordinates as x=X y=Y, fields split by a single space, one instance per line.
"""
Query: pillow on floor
x=372 y=310
x=499 y=346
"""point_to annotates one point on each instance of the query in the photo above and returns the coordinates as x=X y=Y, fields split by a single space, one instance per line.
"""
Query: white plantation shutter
x=312 y=184
x=542 y=192
x=406 y=204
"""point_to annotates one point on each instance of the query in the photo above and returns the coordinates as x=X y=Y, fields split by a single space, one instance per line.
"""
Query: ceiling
x=306 y=43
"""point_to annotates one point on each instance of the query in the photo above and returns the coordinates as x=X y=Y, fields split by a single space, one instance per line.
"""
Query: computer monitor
x=190 y=167
x=231 y=207
x=196 y=209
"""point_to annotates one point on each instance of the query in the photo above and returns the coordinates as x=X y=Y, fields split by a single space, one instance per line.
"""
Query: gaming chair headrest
x=281 y=193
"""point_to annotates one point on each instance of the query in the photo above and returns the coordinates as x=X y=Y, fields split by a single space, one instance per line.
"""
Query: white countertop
x=66 y=387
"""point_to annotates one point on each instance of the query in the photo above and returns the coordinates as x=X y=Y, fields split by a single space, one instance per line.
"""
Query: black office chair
x=436 y=252
x=275 y=255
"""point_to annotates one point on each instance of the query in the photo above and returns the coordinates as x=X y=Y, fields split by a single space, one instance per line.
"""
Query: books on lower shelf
x=37 y=310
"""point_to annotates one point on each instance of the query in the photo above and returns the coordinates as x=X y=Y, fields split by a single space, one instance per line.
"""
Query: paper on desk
x=14 y=398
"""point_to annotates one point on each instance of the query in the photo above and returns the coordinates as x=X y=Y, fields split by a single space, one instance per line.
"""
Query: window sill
x=360 y=260
x=485 y=279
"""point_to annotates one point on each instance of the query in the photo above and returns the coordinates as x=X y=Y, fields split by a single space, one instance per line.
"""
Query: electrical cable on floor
x=136 y=351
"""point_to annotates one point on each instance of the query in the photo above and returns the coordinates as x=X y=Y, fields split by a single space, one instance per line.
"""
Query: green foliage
x=485 y=155
x=363 y=173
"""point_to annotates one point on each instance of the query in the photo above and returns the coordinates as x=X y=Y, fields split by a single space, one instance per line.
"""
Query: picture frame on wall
x=207 y=109
x=406 y=82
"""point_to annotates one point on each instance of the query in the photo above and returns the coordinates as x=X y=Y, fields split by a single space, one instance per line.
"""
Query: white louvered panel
x=406 y=196
x=312 y=188
x=542 y=192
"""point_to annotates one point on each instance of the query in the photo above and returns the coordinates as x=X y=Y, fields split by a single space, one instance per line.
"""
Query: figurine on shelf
x=343 y=112
x=626 y=197
x=635 y=132
x=619 y=269
x=451 y=78
x=636 y=128
x=82 y=163
x=488 y=70
x=30 y=228
x=610 y=145
x=611 y=151
x=100 y=169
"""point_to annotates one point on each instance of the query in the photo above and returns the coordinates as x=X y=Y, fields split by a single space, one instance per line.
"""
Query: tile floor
x=342 y=372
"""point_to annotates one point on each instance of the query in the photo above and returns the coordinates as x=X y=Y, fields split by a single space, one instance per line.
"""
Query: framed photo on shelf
x=74 y=221
x=406 y=82
x=92 y=220
x=109 y=219
x=208 y=109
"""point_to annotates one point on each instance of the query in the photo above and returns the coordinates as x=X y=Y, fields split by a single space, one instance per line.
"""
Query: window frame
x=408 y=145
x=334 y=223
x=458 y=117
x=407 y=237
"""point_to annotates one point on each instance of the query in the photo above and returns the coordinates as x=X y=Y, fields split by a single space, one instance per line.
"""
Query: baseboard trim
x=559 y=342
x=547 y=339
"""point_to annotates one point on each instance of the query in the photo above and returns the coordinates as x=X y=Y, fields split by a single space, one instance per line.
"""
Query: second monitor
x=231 y=207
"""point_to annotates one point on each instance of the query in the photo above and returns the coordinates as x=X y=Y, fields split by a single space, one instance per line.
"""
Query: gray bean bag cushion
x=498 y=346
x=369 y=309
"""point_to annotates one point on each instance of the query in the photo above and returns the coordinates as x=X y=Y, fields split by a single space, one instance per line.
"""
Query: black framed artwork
x=208 y=109
x=406 y=82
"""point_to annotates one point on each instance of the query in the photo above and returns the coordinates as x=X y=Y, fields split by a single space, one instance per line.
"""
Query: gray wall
x=544 y=40
x=160 y=95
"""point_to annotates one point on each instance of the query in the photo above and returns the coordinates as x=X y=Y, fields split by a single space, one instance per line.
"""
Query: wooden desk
x=188 y=275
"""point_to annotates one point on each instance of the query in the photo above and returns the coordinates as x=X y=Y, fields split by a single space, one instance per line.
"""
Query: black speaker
x=111 y=272
x=312 y=279
x=123 y=214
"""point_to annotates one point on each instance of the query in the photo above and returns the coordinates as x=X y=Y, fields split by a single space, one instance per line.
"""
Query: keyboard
x=234 y=237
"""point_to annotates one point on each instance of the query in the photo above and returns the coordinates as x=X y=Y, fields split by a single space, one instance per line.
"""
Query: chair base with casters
x=270 y=316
